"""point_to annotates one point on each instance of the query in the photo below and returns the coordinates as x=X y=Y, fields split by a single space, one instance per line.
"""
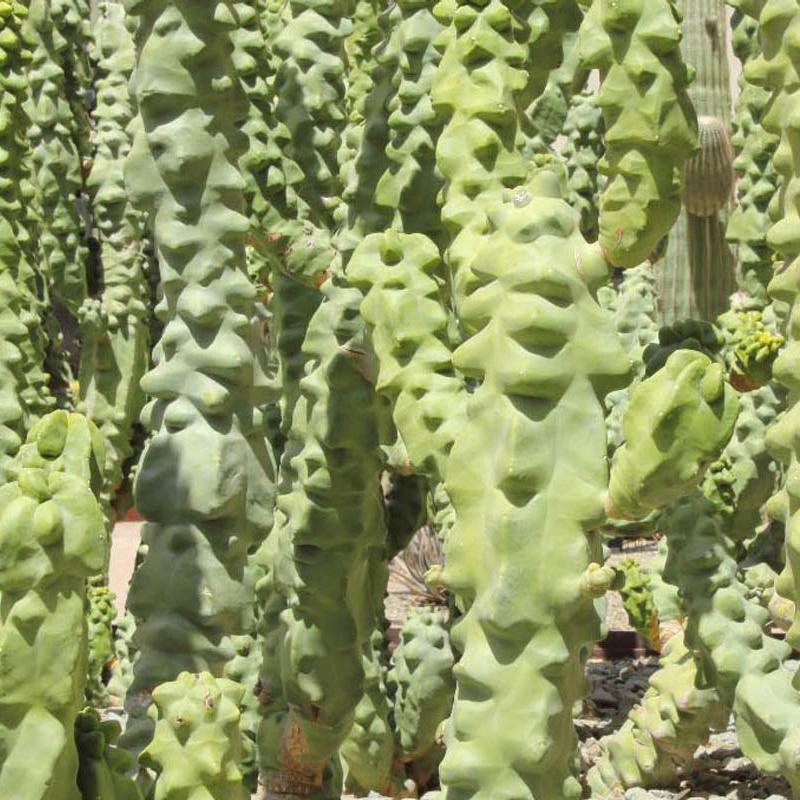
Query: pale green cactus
x=101 y=641
x=542 y=357
x=676 y=424
x=646 y=146
x=196 y=747
x=52 y=538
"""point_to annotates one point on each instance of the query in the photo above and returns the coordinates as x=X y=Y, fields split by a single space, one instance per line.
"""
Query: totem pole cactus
x=57 y=165
x=114 y=327
x=102 y=765
x=695 y=409
x=757 y=183
x=319 y=612
x=196 y=747
x=645 y=145
x=205 y=482
x=423 y=683
x=101 y=641
x=52 y=538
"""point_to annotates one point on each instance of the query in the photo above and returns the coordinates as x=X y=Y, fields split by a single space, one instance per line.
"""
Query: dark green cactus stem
x=196 y=748
x=368 y=752
x=52 y=538
x=365 y=36
x=636 y=48
x=582 y=151
x=407 y=191
x=329 y=536
x=205 y=482
x=757 y=183
x=697 y=275
x=543 y=354
x=58 y=170
x=114 y=327
x=15 y=250
x=72 y=20
x=102 y=765
x=310 y=103
x=101 y=642
x=423 y=684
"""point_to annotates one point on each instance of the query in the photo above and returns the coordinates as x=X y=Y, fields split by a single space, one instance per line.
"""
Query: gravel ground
x=720 y=771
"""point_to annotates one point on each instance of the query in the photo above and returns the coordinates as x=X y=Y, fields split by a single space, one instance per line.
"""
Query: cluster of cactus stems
x=411 y=270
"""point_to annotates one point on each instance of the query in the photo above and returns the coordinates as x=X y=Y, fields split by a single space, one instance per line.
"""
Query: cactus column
x=204 y=484
x=52 y=538
x=114 y=327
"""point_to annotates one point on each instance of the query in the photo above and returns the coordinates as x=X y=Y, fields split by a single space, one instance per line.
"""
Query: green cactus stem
x=636 y=48
x=310 y=105
x=205 y=482
x=400 y=277
x=677 y=422
x=52 y=538
x=582 y=151
x=662 y=732
x=114 y=326
x=542 y=357
x=329 y=536
x=757 y=183
x=124 y=654
x=57 y=165
x=101 y=642
x=423 y=684
x=102 y=765
x=196 y=747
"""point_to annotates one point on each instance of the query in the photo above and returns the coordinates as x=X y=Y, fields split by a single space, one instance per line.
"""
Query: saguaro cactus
x=52 y=538
x=205 y=481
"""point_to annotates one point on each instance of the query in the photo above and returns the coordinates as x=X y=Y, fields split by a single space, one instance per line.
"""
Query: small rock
x=603 y=698
x=637 y=793
x=740 y=764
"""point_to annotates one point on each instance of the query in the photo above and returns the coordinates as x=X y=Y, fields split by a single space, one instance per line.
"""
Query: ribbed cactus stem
x=757 y=183
x=205 y=483
x=15 y=244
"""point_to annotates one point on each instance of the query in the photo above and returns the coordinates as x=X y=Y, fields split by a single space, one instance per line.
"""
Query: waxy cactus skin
x=646 y=145
x=205 y=483
x=52 y=538
x=114 y=327
x=196 y=747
